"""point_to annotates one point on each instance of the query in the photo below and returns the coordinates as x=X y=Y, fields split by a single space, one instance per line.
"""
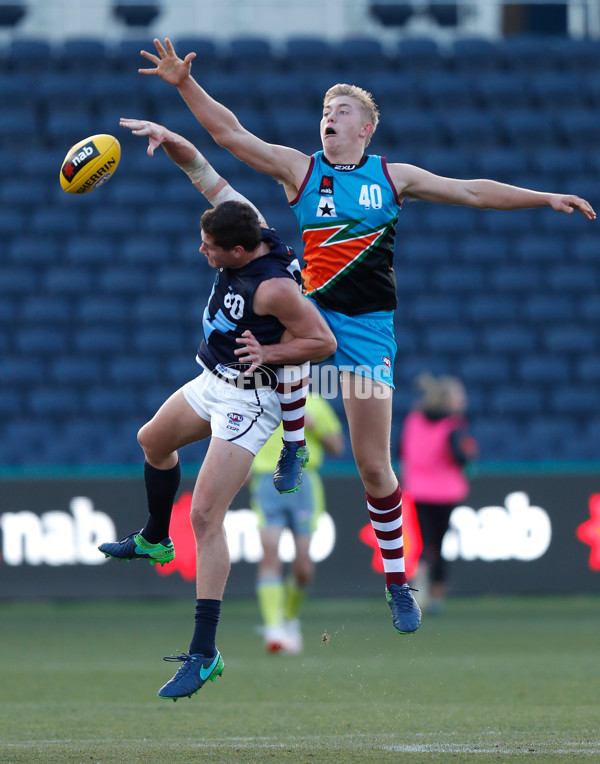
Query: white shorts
x=245 y=417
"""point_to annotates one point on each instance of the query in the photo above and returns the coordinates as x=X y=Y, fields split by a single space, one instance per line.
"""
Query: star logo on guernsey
x=326 y=208
x=206 y=671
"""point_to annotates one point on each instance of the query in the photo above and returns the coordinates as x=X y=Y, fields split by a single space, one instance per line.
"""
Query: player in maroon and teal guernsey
x=327 y=190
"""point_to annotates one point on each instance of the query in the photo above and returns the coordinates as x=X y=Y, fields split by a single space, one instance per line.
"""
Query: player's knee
x=373 y=471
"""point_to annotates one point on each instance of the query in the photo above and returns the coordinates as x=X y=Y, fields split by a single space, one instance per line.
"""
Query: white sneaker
x=275 y=638
x=294 y=642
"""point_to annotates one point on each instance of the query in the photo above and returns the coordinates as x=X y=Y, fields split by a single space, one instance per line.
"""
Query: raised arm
x=416 y=183
x=186 y=156
x=286 y=164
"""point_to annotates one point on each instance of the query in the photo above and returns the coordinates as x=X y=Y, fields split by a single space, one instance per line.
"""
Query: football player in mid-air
x=255 y=303
x=347 y=203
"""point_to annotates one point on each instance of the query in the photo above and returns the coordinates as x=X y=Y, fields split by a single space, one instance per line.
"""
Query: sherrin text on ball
x=90 y=163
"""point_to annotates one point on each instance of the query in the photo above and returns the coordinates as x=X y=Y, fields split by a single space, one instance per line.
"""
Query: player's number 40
x=370 y=196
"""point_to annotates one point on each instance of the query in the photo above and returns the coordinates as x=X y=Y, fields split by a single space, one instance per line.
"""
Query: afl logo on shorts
x=387 y=361
x=235 y=418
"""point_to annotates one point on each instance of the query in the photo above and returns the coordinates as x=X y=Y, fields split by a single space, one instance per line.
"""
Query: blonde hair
x=367 y=103
x=437 y=390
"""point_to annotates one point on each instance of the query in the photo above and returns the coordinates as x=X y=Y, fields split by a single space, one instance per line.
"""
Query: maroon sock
x=386 y=518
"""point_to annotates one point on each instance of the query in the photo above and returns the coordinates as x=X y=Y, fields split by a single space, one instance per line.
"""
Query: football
x=90 y=163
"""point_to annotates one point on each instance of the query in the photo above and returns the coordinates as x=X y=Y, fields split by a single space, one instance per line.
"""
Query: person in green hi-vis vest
x=280 y=599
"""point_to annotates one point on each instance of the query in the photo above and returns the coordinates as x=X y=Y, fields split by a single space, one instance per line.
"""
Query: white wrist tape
x=229 y=194
x=200 y=171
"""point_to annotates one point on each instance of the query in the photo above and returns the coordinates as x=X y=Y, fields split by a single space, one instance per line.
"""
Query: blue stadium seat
x=444 y=91
x=498 y=91
x=167 y=221
x=458 y=279
x=76 y=370
x=119 y=89
x=67 y=280
x=586 y=249
x=435 y=309
x=555 y=91
x=425 y=248
x=570 y=339
x=18 y=127
x=111 y=402
x=547 y=308
x=527 y=53
x=475 y=55
x=16 y=280
x=577 y=55
x=157 y=340
x=30 y=55
x=137 y=371
x=64 y=127
x=18 y=90
x=587 y=369
x=528 y=129
x=514 y=222
x=449 y=340
x=41 y=341
x=484 y=369
x=101 y=340
x=158 y=310
x=273 y=88
x=498 y=438
x=503 y=164
x=574 y=279
x=111 y=221
x=103 y=310
x=11 y=404
x=418 y=54
x=29 y=435
x=560 y=161
x=549 y=437
x=180 y=280
x=87 y=250
x=12 y=223
x=470 y=128
x=579 y=127
x=54 y=402
x=576 y=400
x=543 y=369
x=411 y=128
x=392 y=91
x=516 y=279
x=206 y=49
x=521 y=401
x=83 y=54
x=539 y=248
x=475 y=248
x=589 y=308
x=458 y=163
x=446 y=219
x=45 y=310
x=57 y=221
x=250 y=54
x=33 y=250
x=21 y=371
x=295 y=127
x=308 y=54
x=144 y=249
x=355 y=54
x=124 y=280
x=508 y=339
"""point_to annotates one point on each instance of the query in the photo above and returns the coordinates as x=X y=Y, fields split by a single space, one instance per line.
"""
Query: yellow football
x=90 y=163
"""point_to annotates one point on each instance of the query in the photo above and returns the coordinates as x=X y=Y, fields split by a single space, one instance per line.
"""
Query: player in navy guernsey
x=347 y=202
x=256 y=319
x=230 y=313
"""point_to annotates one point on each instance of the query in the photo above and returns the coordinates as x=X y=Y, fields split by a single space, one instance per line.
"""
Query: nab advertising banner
x=516 y=533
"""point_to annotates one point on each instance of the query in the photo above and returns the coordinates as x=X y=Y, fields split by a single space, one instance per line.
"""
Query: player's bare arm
x=287 y=165
x=177 y=148
x=416 y=183
x=312 y=338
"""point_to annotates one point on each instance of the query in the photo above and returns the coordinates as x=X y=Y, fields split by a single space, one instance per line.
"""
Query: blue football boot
x=406 y=613
x=288 y=473
x=194 y=672
x=135 y=547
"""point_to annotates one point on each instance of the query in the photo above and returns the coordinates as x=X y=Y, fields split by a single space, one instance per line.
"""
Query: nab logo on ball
x=89 y=164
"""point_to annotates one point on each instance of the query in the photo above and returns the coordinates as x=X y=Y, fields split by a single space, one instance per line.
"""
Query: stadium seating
x=102 y=295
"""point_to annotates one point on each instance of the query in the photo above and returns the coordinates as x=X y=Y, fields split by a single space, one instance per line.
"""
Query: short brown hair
x=365 y=99
x=231 y=224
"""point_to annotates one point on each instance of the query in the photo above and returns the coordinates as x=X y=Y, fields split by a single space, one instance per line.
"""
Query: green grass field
x=490 y=680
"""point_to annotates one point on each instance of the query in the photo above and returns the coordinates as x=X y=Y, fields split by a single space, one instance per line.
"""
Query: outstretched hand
x=169 y=66
x=569 y=203
x=157 y=134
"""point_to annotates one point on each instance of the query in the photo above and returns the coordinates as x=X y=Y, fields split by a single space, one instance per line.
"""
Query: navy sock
x=161 y=489
x=207 y=618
